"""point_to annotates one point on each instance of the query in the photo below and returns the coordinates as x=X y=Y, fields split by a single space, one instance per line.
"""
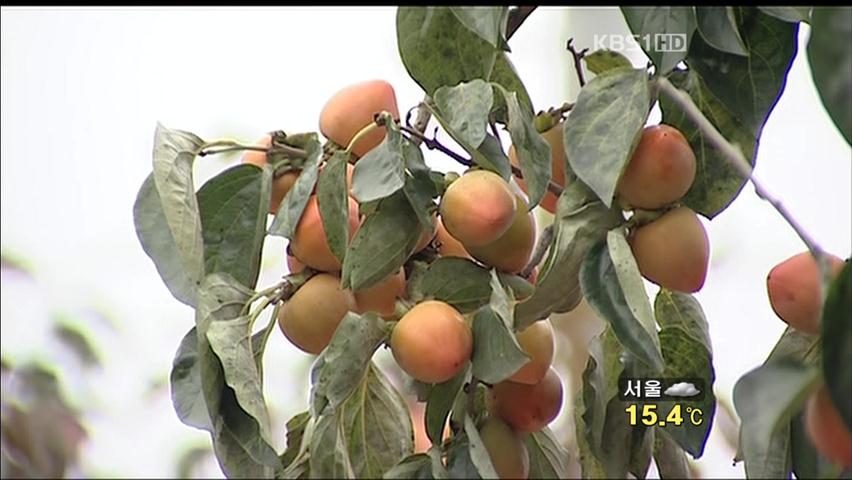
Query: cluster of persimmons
x=484 y=218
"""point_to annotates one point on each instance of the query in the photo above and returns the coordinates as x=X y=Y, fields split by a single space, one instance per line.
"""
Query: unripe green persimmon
x=478 y=208
x=827 y=430
x=673 y=250
x=511 y=251
x=557 y=162
x=527 y=408
x=660 y=171
x=311 y=316
x=794 y=290
x=432 y=342
x=310 y=244
x=352 y=108
x=507 y=451
x=537 y=342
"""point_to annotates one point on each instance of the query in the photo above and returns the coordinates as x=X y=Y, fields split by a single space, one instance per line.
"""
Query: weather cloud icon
x=682 y=389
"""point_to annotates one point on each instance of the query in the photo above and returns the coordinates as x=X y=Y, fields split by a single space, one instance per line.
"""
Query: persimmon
x=527 y=408
x=511 y=251
x=448 y=246
x=826 y=428
x=660 y=171
x=673 y=250
x=310 y=244
x=794 y=290
x=537 y=342
x=478 y=208
x=432 y=342
x=506 y=448
x=381 y=297
x=311 y=316
x=352 y=108
x=558 y=160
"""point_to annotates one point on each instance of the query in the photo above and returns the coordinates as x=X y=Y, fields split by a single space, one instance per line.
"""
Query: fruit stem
x=736 y=158
x=362 y=133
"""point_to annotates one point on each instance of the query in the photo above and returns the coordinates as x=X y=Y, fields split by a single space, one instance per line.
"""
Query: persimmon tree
x=452 y=273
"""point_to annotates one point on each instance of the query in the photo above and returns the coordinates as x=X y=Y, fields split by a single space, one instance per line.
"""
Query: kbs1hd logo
x=659 y=42
x=660 y=402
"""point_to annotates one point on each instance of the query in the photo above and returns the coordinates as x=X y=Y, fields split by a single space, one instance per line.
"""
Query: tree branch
x=736 y=158
x=578 y=56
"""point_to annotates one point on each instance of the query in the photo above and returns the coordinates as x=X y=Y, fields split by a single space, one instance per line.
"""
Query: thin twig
x=434 y=144
x=236 y=147
x=543 y=245
x=517 y=17
x=736 y=158
x=578 y=56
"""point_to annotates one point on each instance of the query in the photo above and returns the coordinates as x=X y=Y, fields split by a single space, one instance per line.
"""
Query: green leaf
x=438 y=50
x=231 y=342
x=237 y=435
x=788 y=14
x=159 y=244
x=548 y=458
x=806 y=462
x=830 y=58
x=518 y=285
x=654 y=23
x=489 y=23
x=381 y=171
x=185 y=385
x=382 y=244
x=478 y=454
x=439 y=470
x=333 y=202
x=686 y=347
x=601 y=61
x=748 y=88
x=293 y=204
x=580 y=221
x=174 y=154
x=766 y=398
x=504 y=74
x=496 y=352
x=632 y=286
x=329 y=454
x=641 y=450
x=718 y=27
x=419 y=187
x=486 y=154
x=600 y=283
x=687 y=358
x=681 y=310
x=717 y=183
x=670 y=458
x=233 y=207
x=418 y=466
x=345 y=361
x=464 y=109
x=532 y=149
x=837 y=343
x=459 y=463
x=457 y=281
x=600 y=386
x=377 y=426
x=605 y=126
x=296 y=427
x=440 y=402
